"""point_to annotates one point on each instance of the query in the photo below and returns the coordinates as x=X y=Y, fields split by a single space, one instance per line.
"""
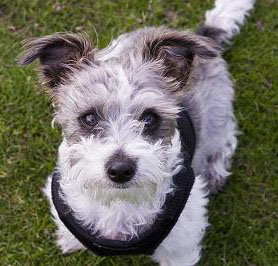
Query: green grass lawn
x=244 y=217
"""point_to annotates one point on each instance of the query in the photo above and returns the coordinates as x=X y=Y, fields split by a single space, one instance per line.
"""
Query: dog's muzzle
x=149 y=240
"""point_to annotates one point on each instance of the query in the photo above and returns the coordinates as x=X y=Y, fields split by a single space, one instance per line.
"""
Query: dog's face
x=118 y=108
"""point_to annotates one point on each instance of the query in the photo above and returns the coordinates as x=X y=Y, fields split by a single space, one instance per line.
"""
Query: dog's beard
x=117 y=211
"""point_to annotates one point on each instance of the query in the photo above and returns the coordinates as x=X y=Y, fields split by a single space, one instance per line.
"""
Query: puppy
x=118 y=108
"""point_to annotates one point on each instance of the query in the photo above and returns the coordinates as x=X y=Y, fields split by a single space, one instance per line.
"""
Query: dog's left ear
x=59 y=54
x=177 y=50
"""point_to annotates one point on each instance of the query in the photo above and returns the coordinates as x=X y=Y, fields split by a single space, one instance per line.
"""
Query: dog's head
x=117 y=108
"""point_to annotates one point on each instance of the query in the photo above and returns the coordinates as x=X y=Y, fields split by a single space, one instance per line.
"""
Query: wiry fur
x=149 y=69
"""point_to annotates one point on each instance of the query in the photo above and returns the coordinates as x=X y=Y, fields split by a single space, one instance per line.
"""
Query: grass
x=244 y=217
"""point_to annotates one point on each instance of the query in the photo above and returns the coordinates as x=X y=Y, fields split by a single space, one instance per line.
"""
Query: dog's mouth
x=131 y=192
x=122 y=186
x=111 y=185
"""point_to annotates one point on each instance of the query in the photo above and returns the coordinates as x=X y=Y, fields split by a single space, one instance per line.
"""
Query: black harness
x=149 y=240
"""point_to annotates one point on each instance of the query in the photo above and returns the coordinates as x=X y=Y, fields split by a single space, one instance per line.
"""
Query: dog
x=118 y=108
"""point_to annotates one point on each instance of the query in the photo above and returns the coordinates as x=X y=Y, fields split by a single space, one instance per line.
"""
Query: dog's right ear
x=59 y=55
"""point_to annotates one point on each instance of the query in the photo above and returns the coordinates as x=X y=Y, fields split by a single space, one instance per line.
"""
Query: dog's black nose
x=121 y=170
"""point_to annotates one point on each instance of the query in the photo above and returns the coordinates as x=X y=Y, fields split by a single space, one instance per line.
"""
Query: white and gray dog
x=118 y=108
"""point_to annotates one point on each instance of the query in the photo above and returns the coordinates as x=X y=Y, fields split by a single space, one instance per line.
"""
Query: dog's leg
x=218 y=137
x=216 y=124
x=219 y=162
x=65 y=240
x=183 y=245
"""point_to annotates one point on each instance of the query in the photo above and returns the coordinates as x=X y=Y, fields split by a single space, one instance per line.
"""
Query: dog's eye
x=89 y=120
x=150 y=119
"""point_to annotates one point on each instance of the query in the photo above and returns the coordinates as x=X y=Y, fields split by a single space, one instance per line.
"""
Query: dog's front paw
x=67 y=242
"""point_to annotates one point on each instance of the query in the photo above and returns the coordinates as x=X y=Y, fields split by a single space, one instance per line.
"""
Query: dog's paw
x=217 y=185
x=217 y=171
x=67 y=242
